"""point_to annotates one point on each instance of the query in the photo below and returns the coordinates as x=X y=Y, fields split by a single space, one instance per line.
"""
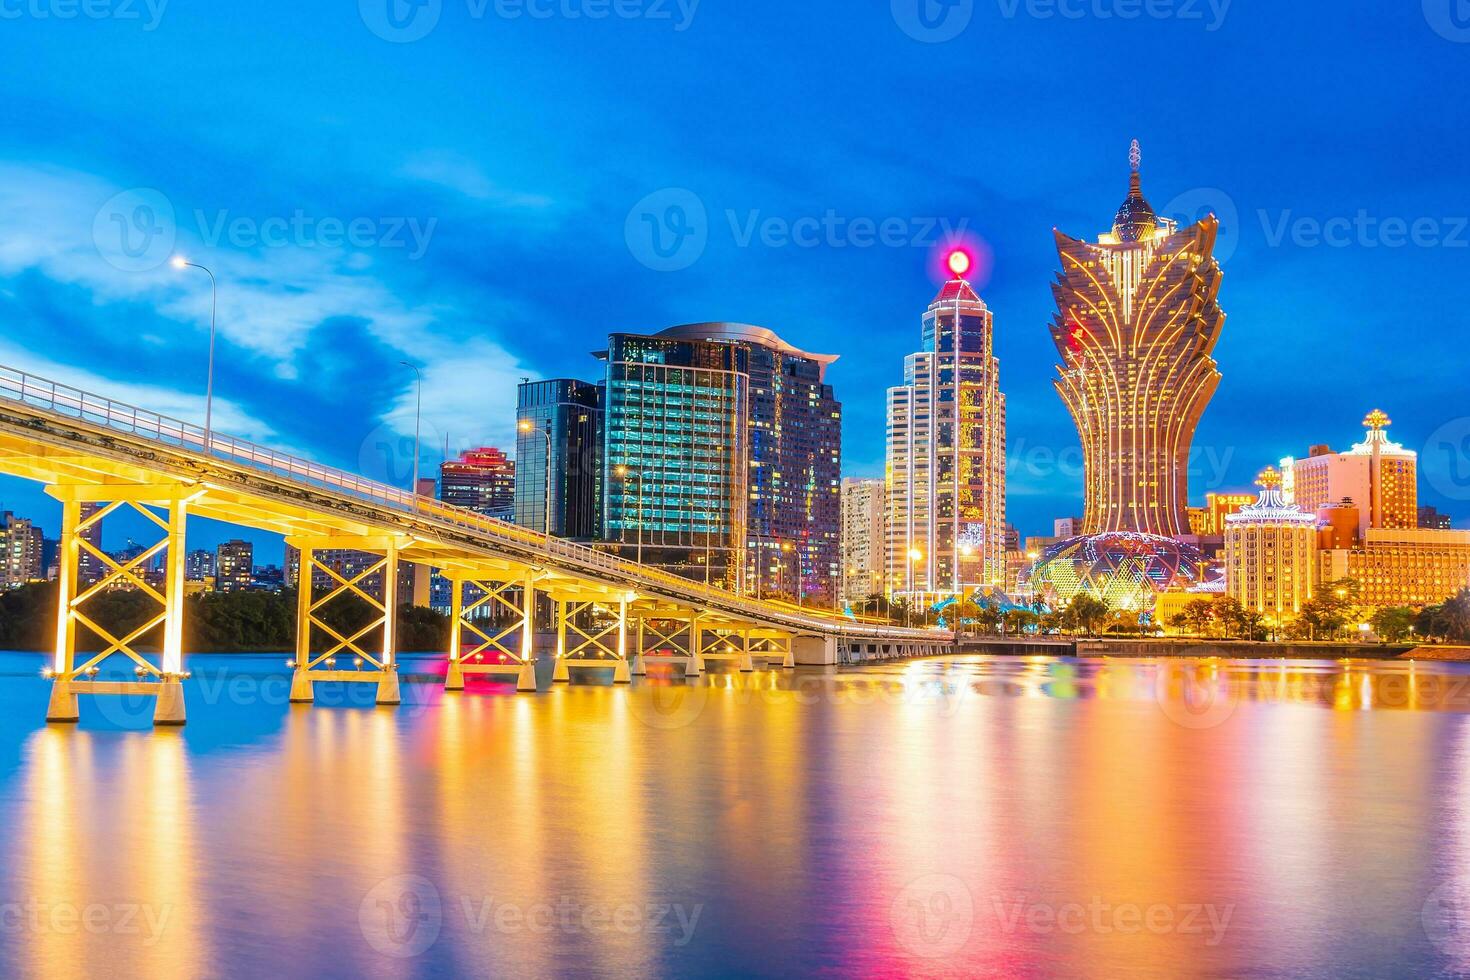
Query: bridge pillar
x=164 y=683
x=696 y=648
x=621 y=674
x=501 y=591
x=638 y=669
x=746 y=664
x=815 y=650
x=309 y=667
x=526 y=676
x=562 y=674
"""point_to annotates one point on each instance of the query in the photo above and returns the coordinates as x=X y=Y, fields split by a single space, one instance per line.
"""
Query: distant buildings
x=721 y=458
x=1431 y=519
x=482 y=480
x=1066 y=527
x=199 y=565
x=863 y=512
x=570 y=413
x=234 y=566
x=1271 y=553
x=946 y=453
x=22 y=551
x=1380 y=477
x=412 y=584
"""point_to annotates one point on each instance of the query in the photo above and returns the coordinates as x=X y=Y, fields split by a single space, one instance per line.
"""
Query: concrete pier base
x=694 y=666
x=169 y=709
x=621 y=673
x=562 y=674
x=63 y=704
x=639 y=669
x=388 y=692
x=526 y=678
x=454 y=679
x=302 y=691
x=746 y=664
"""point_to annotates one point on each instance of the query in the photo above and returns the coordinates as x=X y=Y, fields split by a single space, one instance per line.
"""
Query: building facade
x=562 y=417
x=1137 y=320
x=1271 y=553
x=199 y=565
x=863 y=517
x=22 y=551
x=1379 y=476
x=234 y=565
x=722 y=459
x=1402 y=566
x=482 y=480
x=946 y=453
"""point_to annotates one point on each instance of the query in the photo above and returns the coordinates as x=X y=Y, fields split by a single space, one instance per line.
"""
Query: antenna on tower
x=1135 y=156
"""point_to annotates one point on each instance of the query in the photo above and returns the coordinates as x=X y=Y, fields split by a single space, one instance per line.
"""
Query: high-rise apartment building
x=722 y=458
x=22 y=547
x=946 y=452
x=561 y=417
x=199 y=565
x=1431 y=519
x=863 y=514
x=1137 y=320
x=234 y=566
x=482 y=480
x=1271 y=553
x=1380 y=477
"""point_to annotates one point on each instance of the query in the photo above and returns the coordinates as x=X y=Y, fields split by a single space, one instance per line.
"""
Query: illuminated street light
x=527 y=426
x=179 y=262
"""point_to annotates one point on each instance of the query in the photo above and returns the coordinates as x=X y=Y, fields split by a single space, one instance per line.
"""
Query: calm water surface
x=970 y=815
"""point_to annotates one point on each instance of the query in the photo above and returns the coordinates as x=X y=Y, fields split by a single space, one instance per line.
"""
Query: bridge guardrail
x=69 y=401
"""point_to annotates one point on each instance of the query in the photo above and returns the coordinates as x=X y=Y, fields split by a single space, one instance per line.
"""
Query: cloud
x=464 y=176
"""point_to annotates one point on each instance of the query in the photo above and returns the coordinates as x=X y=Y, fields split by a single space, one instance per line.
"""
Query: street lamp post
x=418 y=414
x=180 y=262
x=622 y=473
x=527 y=426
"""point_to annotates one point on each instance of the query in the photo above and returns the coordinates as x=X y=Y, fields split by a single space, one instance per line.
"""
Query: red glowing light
x=959 y=263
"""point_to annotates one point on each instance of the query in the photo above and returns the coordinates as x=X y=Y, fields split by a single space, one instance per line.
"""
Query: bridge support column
x=383 y=665
x=621 y=674
x=815 y=650
x=638 y=669
x=746 y=664
x=696 y=648
x=454 y=676
x=562 y=674
x=164 y=682
x=526 y=677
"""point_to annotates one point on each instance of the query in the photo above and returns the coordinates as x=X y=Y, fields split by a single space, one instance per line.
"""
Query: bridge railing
x=61 y=399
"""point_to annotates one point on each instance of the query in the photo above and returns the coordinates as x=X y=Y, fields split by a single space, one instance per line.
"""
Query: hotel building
x=946 y=453
x=1403 y=566
x=1380 y=477
x=1271 y=553
x=482 y=480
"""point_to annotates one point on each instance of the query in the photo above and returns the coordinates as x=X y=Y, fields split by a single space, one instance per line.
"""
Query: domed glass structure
x=1125 y=569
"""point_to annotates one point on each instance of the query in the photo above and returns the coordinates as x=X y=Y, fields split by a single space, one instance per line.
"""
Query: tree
x=1086 y=613
x=1020 y=620
x=987 y=617
x=1393 y=623
x=1197 y=617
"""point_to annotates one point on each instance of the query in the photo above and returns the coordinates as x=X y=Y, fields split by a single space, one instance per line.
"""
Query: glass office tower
x=563 y=416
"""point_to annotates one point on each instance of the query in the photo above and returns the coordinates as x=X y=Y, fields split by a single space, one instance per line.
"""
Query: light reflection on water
x=1018 y=817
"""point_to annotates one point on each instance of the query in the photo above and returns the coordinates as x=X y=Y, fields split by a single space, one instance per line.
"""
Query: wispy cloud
x=468 y=178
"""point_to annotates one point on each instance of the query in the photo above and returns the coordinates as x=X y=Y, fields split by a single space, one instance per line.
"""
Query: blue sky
x=472 y=199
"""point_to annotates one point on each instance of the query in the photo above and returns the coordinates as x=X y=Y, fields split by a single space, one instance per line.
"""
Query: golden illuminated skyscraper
x=1137 y=319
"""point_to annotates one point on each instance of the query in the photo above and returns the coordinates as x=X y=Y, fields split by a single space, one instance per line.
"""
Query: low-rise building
x=1402 y=566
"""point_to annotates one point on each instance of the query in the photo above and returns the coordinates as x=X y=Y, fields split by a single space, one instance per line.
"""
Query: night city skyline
x=484 y=230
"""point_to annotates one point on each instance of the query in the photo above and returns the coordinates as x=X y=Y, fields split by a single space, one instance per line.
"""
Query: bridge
x=99 y=457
